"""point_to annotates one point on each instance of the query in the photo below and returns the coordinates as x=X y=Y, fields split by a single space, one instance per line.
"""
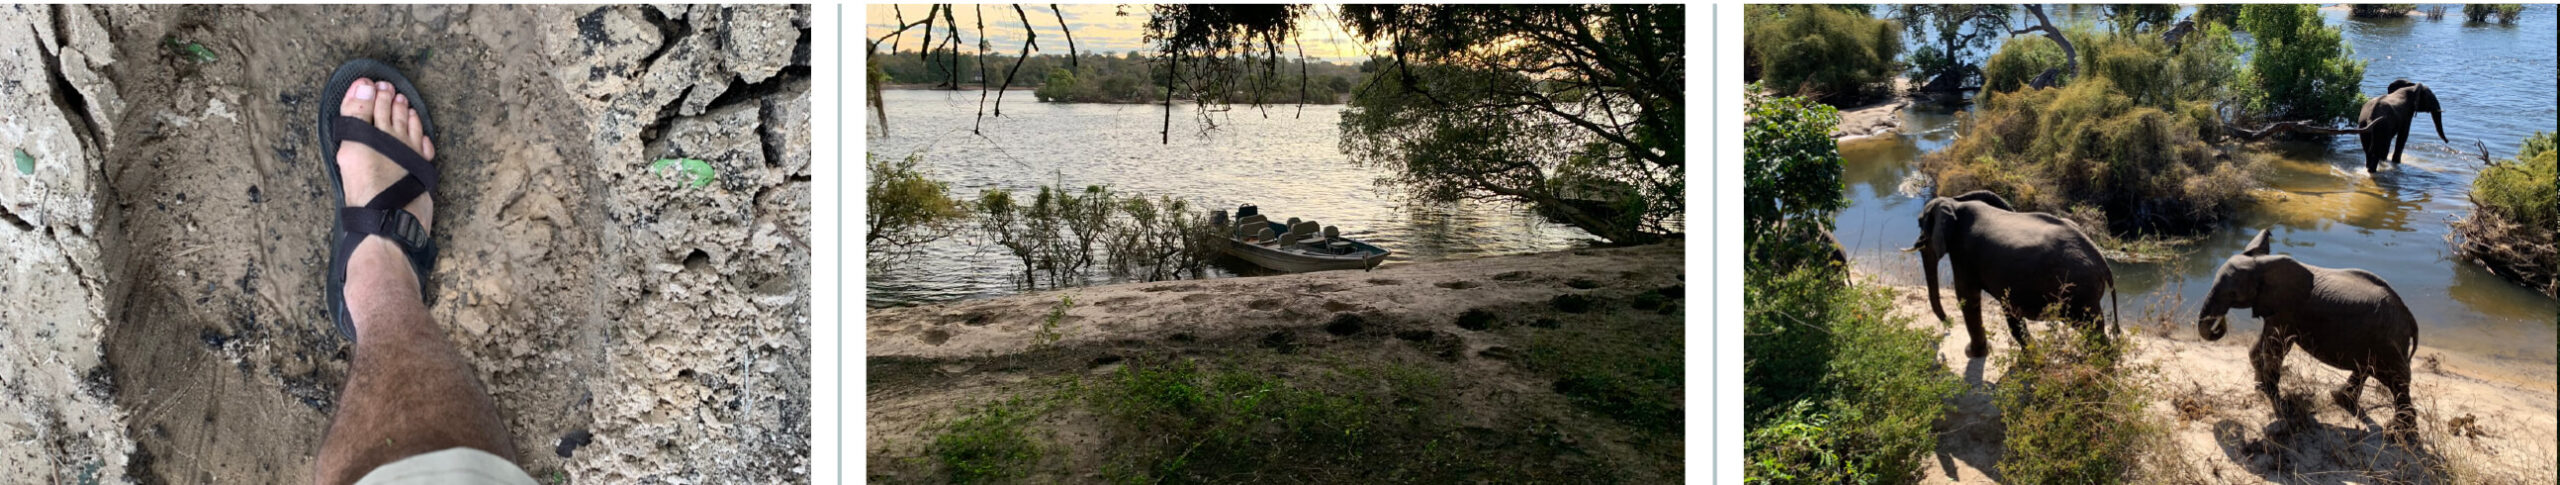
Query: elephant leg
x=2017 y=323
x=2404 y=416
x=2347 y=395
x=1966 y=299
x=2267 y=358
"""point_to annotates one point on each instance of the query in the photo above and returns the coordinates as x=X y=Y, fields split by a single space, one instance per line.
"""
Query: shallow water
x=2497 y=86
x=1288 y=163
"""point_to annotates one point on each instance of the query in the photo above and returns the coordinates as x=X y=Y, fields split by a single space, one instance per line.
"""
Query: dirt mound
x=661 y=322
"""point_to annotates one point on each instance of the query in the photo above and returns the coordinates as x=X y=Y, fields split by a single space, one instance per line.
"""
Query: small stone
x=26 y=163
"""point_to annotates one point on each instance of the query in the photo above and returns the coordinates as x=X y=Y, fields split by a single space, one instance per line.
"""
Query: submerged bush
x=1837 y=389
x=2128 y=136
x=2481 y=12
x=2301 y=70
x=2381 y=10
x=2517 y=212
x=1839 y=55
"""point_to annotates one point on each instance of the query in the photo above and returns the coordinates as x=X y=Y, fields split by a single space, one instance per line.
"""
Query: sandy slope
x=2225 y=432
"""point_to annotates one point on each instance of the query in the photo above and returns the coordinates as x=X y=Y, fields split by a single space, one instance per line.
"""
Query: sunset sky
x=1099 y=28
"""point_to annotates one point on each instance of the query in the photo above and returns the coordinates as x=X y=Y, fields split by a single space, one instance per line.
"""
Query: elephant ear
x=2257 y=246
x=2424 y=100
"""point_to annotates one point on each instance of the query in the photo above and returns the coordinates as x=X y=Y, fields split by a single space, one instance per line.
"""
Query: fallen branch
x=2289 y=127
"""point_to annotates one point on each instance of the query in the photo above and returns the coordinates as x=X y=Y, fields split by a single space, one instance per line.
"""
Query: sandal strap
x=351 y=129
x=397 y=225
x=384 y=216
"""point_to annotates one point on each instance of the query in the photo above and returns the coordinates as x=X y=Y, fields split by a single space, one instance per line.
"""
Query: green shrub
x=2217 y=13
x=2301 y=70
x=1203 y=422
x=1837 y=389
x=2071 y=413
x=2019 y=62
x=907 y=208
x=1839 y=55
x=2515 y=230
x=2128 y=136
x=1792 y=178
x=2524 y=188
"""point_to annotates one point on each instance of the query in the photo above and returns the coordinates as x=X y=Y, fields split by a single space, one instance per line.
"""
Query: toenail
x=364 y=90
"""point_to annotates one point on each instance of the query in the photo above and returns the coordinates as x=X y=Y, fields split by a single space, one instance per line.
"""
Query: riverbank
x=169 y=244
x=1547 y=366
x=2482 y=419
x=1878 y=119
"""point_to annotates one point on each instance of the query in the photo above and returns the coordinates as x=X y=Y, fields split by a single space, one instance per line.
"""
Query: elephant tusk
x=1910 y=249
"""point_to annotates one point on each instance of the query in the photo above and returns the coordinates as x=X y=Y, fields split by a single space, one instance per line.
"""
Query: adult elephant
x=2028 y=261
x=2386 y=121
x=2346 y=318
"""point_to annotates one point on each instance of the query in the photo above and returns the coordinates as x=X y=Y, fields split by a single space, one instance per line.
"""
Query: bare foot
x=378 y=273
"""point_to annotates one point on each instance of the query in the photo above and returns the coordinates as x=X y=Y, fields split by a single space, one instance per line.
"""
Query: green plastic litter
x=192 y=51
x=26 y=163
x=701 y=171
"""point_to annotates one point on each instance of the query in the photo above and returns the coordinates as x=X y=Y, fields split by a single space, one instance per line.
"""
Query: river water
x=1284 y=159
x=2497 y=85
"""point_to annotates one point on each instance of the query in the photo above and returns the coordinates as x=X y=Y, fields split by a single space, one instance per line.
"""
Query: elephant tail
x=2116 y=302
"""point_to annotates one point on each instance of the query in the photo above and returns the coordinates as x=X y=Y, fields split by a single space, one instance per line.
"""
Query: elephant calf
x=2028 y=260
x=2347 y=318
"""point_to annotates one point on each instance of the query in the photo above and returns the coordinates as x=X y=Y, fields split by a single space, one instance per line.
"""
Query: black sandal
x=383 y=215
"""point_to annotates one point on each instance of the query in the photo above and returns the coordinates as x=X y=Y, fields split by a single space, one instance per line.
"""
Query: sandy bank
x=1208 y=308
x=1498 y=331
x=2225 y=431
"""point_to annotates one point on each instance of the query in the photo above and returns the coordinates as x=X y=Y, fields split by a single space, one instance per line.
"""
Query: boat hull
x=1298 y=262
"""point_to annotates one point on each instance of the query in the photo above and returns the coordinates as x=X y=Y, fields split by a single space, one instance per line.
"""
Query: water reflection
x=1284 y=159
x=2318 y=202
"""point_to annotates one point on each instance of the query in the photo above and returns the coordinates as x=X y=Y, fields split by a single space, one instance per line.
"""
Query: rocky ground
x=1485 y=324
x=160 y=309
x=2482 y=420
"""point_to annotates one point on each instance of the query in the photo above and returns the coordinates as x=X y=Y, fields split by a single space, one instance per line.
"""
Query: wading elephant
x=2386 y=121
x=2347 y=318
x=2028 y=261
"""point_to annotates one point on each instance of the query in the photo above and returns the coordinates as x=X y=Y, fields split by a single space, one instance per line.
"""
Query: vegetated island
x=1126 y=78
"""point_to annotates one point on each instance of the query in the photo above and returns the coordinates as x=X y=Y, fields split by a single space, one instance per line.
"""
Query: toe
x=382 y=102
x=427 y=148
x=359 y=101
x=417 y=133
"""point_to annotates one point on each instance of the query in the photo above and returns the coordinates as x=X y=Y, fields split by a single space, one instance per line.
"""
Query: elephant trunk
x=2210 y=323
x=1929 y=269
x=2438 y=115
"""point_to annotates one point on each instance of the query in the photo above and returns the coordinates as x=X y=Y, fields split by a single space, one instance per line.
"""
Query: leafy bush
x=2512 y=231
x=907 y=208
x=2213 y=13
x=2302 y=69
x=1839 y=55
x=2019 y=62
x=2127 y=136
x=1836 y=388
x=2072 y=414
x=1792 y=177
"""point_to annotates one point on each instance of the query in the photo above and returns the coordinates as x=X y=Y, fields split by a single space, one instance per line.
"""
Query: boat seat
x=1290 y=239
x=1264 y=235
x=1293 y=223
x=1330 y=233
x=1305 y=230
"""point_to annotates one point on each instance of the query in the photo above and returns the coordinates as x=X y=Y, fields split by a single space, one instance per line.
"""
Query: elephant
x=2386 y=121
x=2347 y=318
x=2028 y=260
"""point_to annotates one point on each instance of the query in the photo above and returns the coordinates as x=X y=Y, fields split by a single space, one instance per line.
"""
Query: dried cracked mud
x=160 y=310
